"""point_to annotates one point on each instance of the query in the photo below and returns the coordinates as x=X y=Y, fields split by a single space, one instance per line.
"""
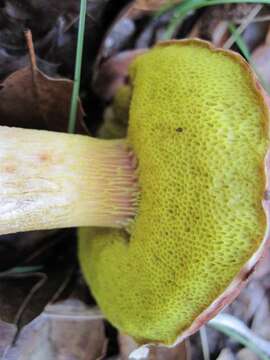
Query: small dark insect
x=179 y=129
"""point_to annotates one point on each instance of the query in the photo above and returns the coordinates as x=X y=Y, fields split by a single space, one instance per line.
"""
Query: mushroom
x=182 y=239
x=51 y=180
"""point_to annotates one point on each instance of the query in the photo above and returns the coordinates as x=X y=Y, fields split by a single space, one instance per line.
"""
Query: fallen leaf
x=24 y=293
x=76 y=336
x=113 y=73
x=7 y=332
x=36 y=101
x=14 y=290
x=80 y=333
x=41 y=102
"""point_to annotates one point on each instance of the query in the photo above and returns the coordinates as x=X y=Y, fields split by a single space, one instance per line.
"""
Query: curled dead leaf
x=50 y=336
x=113 y=73
x=33 y=100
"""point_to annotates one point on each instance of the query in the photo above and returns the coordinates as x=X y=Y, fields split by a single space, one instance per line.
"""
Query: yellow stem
x=52 y=180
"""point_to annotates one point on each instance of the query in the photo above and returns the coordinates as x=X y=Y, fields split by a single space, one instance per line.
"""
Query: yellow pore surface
x=199 y=128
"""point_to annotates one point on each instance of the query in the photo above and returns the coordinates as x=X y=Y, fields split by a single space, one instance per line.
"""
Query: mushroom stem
x=52 y=180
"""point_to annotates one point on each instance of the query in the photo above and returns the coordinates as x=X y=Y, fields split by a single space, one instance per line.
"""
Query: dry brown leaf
x=33 y=100
x=30 y=99
x=24 y=293
x=76 y=337
x=113 y=73
x=80 y=337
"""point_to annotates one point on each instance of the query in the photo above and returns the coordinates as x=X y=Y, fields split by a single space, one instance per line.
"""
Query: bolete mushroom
x=183 y=248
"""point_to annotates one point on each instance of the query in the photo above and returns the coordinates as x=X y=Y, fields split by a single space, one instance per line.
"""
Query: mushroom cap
x=199 y=128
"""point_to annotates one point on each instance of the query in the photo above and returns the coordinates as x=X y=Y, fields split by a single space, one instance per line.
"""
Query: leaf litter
x=41 y=102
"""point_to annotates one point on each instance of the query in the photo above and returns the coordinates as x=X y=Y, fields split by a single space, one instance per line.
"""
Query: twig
x=52 y=311
x=31 y=50
x=34 y=71
x=257 y=19
x=244 y=24
x=33 y=61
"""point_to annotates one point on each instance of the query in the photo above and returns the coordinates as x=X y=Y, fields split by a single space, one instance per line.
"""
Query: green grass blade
x=187 y=6
x=78 y=67
x=245 y=51
x=238 y=331
x=21 y=270
x=239 y=42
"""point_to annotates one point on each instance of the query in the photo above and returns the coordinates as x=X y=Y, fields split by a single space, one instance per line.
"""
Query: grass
x=238 y=331
x=245 y=51
x=187 y=6
x=78 y=68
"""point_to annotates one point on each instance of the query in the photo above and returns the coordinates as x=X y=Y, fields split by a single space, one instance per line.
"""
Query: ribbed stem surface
x=52 y=180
